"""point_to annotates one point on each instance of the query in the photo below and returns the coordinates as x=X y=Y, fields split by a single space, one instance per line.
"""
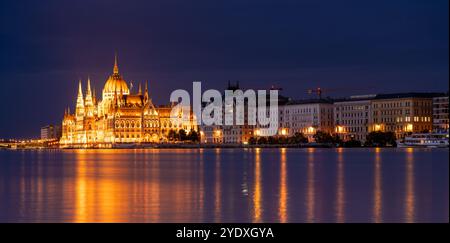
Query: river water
x=225 y=185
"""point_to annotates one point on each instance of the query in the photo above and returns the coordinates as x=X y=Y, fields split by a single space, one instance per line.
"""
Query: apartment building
x=402 y=113
x=51 y=132
x=352 y=117
x=440 y=114
x=308 y=117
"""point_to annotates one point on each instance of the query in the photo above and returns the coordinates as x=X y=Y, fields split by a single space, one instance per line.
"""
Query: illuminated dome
x=115 y=83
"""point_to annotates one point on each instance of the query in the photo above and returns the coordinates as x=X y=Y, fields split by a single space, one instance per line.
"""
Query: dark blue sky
x=348 y=47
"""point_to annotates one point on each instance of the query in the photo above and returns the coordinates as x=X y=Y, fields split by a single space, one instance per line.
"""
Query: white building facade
x=308 y=117
x=352 y=117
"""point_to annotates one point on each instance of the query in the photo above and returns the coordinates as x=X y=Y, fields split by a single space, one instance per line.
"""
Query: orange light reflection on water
x=98 y=190
x=103 y=192
x=378 y=190
x=282 y=209
x=340 y=188
x=257 y=191
x=410 y=197
x=310 y=188
x=217 y=189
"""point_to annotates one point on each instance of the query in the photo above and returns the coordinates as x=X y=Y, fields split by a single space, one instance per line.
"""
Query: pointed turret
x=79 y=110
x=140 y=89
x=88 y=103
x=146 y=92
x=80 y=100
x=88 y=100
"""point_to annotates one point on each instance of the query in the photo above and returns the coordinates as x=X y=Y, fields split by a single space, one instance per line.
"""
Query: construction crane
x=317 y=91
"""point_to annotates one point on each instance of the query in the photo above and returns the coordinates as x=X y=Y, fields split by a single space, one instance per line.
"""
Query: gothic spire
x=88 y=100
x=80 y=101
x=79 y=110
x=116 y=66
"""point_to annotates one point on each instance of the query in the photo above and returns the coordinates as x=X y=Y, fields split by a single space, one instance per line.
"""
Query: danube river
x=225 y=185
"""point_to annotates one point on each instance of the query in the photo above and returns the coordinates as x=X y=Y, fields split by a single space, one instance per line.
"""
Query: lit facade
x=402 y=113
x=440 y=114
x=307 y=117
x=352 y=118
x=120 y=117
x=51 y=132
x=230 y=134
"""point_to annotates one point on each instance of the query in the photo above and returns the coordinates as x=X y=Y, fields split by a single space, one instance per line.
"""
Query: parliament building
x=119 y=118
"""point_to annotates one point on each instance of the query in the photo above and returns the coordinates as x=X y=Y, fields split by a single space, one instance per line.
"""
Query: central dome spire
x=115 y=83
x=116 y=66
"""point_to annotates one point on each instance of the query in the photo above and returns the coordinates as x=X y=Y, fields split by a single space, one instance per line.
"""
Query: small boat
x=426 y=140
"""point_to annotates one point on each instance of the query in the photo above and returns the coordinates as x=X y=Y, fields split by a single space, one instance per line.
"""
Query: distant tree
x=272 y=140
x=172 y=135
x=252 y=140
x=283 y=140
x=193 y=136
x=182 y=135
x=262 y=140
x=323 y=137
x=381 y=139
x=337 y=140
x=298 y=138
x=352 y=143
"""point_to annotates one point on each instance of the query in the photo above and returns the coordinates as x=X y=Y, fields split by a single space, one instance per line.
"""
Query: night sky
x=347 y=47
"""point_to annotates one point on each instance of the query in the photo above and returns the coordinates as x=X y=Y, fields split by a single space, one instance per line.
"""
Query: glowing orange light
x=217 y=132
x=409 y=128
x=257 y=132
x=377 y=127
x=311 y=130
x=339 y=129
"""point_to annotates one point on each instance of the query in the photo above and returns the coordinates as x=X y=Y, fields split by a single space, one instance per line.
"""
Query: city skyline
x=224 y=120
x=314 y=96
x=293 y=45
